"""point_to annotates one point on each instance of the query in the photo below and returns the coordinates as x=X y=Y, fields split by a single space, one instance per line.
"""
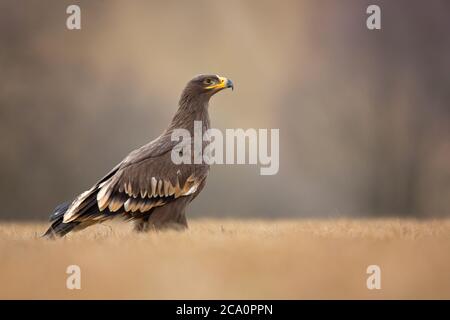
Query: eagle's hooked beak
x=223 y=84
x=228 y=83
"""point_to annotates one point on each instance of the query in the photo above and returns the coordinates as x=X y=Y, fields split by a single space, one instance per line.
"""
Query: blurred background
x=364 y=116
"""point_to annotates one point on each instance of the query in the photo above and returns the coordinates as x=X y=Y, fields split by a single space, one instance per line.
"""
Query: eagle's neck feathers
x=191 y=108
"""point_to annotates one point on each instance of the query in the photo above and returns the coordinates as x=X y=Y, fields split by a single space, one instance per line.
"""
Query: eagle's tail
x=58 y=227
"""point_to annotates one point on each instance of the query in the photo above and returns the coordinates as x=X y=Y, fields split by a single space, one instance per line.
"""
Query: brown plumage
x=147 y=186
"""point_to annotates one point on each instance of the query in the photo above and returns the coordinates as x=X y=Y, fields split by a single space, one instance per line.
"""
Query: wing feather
x=145 y=179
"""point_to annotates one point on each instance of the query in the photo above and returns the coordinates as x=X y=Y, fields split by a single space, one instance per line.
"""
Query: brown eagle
x=147 y=186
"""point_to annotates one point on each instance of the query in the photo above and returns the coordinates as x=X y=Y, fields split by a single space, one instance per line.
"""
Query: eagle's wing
x=145 y=179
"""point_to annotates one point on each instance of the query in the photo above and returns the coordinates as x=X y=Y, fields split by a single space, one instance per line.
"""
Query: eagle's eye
x=209 y=81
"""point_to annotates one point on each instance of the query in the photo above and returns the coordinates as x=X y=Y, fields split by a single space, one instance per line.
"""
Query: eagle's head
x=205 y=86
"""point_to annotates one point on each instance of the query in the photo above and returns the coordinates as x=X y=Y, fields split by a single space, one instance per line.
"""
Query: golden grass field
x=231 y=259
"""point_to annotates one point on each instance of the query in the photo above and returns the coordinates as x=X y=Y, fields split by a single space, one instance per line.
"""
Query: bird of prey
x=147 y=186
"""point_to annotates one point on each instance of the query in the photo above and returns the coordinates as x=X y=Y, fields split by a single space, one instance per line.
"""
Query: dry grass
x=281 y=259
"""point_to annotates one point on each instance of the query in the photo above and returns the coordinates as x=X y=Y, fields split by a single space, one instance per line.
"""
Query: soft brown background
x=363 y=115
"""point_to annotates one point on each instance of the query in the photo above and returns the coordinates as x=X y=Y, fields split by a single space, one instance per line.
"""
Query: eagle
x=147 y=187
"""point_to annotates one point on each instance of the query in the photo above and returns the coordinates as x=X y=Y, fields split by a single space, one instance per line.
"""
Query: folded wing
x=146 y=179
